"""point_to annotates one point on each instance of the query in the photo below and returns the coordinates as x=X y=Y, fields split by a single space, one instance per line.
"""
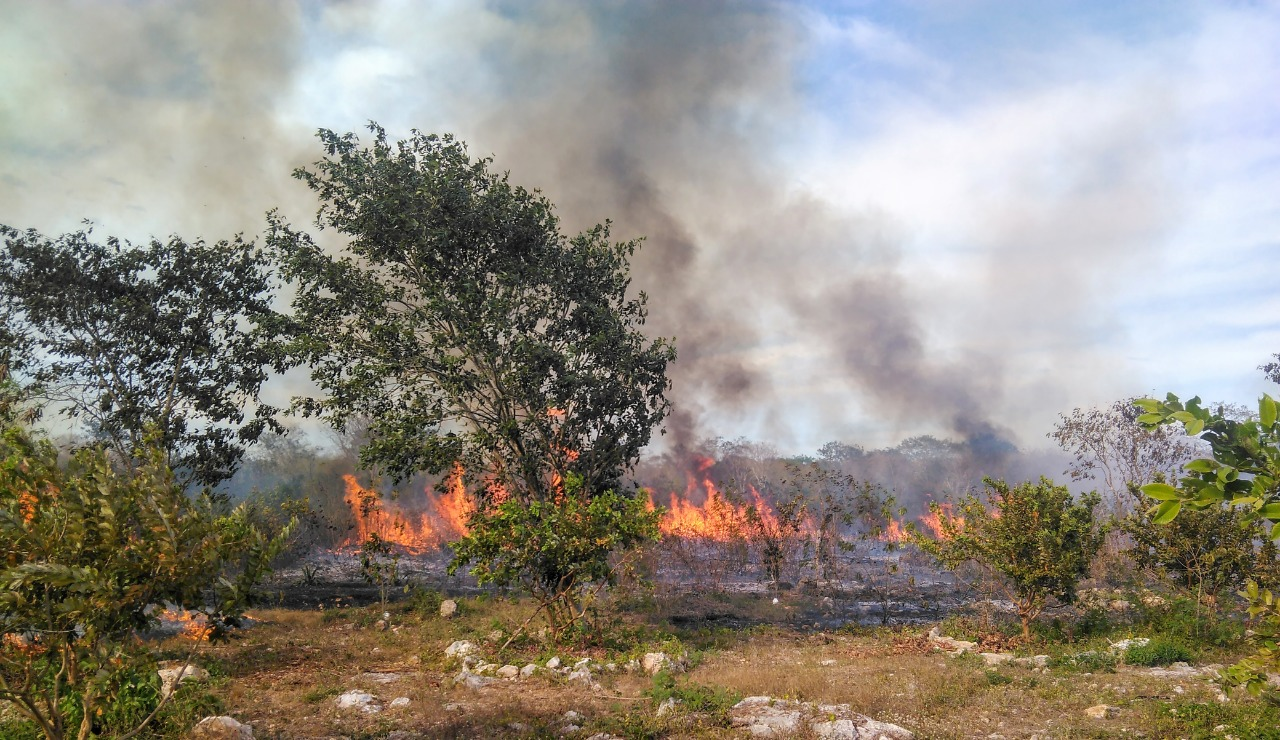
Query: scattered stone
x=1036 y=661
x=828 y=662
x=611 y=667
x=950 y=644
x=764 y=716
x=485 y=668
x=400 y=701
x=448 y=608
x=553 y=662
x=460 y=649
x=381 y=677
x=572 y=716
x=472 y=681
x=221 y=728
x=1123 y=645
x=380 y=625
x=495 y=636
x=604 y=736
x=451 y=707
x=651 y=663
x=175 y=673
x=1102 y=711
x=993 y=659
x=518 y=726
x=528 y=670
x=354 y=699
x=508 y=672
x=569 y=729
x=582 y=676
x=584 y=663
x=633 y=665
x=668 y=706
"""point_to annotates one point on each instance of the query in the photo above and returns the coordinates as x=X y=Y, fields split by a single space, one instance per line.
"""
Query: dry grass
x=283 y=677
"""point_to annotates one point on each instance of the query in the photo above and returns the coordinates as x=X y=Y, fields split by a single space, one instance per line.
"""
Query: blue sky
x=864 y=220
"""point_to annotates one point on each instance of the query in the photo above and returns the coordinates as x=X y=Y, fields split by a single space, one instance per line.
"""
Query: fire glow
x=442 y=520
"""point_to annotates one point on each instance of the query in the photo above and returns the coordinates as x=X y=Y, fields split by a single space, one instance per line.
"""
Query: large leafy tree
x=464 y=326
x=171 y=340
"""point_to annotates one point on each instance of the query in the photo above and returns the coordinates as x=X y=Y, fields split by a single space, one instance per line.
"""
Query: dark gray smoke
x=661 y=117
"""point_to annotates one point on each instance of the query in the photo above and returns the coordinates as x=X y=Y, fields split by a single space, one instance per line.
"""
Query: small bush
x=996 y=678
x=425 y=602
x=1156 y=653
x=1090 y=661
x=714 y=700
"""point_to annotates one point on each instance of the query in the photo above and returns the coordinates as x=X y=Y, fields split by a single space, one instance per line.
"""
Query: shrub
x=90 y=551
x=1157 y=652
x=1035 y=537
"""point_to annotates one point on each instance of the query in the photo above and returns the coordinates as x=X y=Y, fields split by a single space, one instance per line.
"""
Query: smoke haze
x=848 y=235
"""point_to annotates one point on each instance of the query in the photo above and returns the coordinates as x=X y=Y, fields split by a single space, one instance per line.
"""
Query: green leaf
x=1186 y=417
x=1166 y=512
x=1162 y=492
x=1150 y=418
x=1267 y=411
x=1194 y=427
x=1202 y=466
x=1271 y=512
x=1149 y=405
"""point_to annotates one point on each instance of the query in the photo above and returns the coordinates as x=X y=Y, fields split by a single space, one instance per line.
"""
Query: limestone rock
x=582 y=676
x=764 y=716
x=402 y=701
x=472 y=681
x=651 y=663
x=354 y=700
x=528 y=670
x=1102 y=711
x=448 y=608
x=950 y=644
x=668 y=706
x=221 y=728
x=994 y=659
x=553 y=662
x=460 y=649
x=174 y=674
x=508 y=671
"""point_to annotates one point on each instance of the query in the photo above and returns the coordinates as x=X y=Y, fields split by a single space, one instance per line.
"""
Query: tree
x=560 y=551
x=174 y=338
x=1243 y=472
x=1272 y=369
x=89 y=553
x=1110 y=446
x=1034 y=536
x=465 y=326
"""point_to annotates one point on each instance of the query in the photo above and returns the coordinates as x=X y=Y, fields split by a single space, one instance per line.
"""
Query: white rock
x=668 y=706
x=221 y=728
x=764 y=716
x=654 y=662
x=572 y=716
x=1124 y=645
x=173 y=676
x=840 y=729
x=996 y=658
x=460 y=649
x=401 y=701
x=528 y=670
x=553 y=662
x=508 y=671
x=485 y=668
x=828 y=662
x=569 y=729
x=353 y=699
x=381 y=677
x=1102 y=711
x=448 y=608
x=472 y=681
x=585 y=662
x=582 y=676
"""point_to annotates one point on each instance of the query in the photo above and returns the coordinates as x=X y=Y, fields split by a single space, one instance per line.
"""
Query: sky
x=862 y=221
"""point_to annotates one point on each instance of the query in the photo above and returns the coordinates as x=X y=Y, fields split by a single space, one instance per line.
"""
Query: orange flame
x=195 y=626
x=894 y=532
x=717 y=519
x=444 y=518
x=933 y=522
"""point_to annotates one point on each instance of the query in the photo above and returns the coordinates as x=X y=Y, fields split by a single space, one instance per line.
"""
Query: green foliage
x=1089 y=661
x=425 y=602
x=1244 y=472
x=1157 y=652
x=1209 y=551
x=562 y=552
x=1034 y=536
x=714 y=700
x=465 y=326
x=90 y=553
x=379 y=565
x=168 y=343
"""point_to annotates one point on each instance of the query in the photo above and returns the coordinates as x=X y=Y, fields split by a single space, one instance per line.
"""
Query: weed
x=425 y=602
x=713 y=700
x=1157 y=652
x=1090 y=661
x=320 y=693
x=996 y=678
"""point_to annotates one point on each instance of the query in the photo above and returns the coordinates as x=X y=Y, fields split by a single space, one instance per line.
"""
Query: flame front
x=933 y=522
x=443 y=519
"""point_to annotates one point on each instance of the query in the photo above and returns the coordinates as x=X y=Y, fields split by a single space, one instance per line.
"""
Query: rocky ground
x=360 y=672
